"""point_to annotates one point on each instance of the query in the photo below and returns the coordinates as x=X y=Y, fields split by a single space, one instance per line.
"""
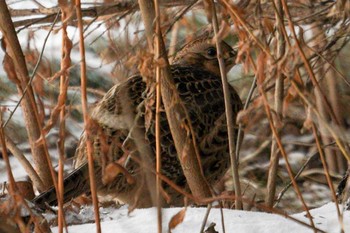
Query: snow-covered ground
x=145 y=220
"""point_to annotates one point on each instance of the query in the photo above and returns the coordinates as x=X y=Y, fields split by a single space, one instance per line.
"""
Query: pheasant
x=196 y=74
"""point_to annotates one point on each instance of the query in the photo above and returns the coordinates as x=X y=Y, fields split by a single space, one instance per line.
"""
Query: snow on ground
x=145 y=220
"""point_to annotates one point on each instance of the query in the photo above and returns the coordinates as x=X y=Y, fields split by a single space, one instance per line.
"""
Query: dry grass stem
x=292 y=74
x=86 y=117
x=228 y=109
x=278 y=107
x=260 y=69
x=65 y=64
x=328 y=177
x=157 y=54
x=188 y=156
x=20 y=73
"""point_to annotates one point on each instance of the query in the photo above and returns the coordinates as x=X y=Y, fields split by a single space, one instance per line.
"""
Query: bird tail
x=75 y=184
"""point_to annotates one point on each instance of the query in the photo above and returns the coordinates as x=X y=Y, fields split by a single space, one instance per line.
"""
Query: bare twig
x=285 y=189
x=205 y=219
x=33 y=75
x=328 y=177
x=262 y=207
x=336 y=162
x=148 y=15
x=65 y=64
x=322 y=120
x=15 y=57
x=279 y=88
x=17 y=153
x=158 y=50
x=262 y=147
x=245 y=107
x=222 y=219
x=260 y=70
x=185 y=145
x=86 y=116
x=173 y=41
x=312 y=77
x=118 y=8
x=228 y=110
x=13 y=189
x=11 y=179
x=234 y=12
x=180 y=15
x=332 y=66
x=299 y=15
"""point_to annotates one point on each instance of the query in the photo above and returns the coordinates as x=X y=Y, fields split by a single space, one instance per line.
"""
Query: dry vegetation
x=294 y=80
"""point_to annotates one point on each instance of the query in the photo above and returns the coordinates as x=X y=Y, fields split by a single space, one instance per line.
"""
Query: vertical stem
x=148 y=19
x=228 y=111
x=185 y=144
x=335 y=160
x=319 y=72
x=148 y=11
x=31 y=117
x=17 y=153
x=173 y=41
x=158 y=101
x=328 y=177
x=65 y=63
x=86 y=116
x=312 y=76
x=12 y=183
x=283 y=152
x=279 y=87
x=245 y=107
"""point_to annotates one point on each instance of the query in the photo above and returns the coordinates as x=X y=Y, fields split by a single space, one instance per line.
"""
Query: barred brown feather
x=196 y=75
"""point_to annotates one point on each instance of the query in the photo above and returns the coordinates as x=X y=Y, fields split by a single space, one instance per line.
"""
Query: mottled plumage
x=196 y=74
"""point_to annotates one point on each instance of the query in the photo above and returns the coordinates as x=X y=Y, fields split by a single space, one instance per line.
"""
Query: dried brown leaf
x=261 y=64
x=112 y=170
x=268 y=25
x=25 y=188
x=110 y=173
x=9 y=67
x=308 y=121
x=177 y=219
x=224 y=30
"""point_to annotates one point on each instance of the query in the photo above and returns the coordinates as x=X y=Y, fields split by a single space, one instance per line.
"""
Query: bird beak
x=230 y=60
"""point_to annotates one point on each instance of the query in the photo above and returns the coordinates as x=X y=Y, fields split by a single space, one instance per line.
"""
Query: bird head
x=202 y=53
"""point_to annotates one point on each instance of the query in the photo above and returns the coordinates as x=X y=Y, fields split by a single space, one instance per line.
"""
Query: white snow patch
x=145 y=220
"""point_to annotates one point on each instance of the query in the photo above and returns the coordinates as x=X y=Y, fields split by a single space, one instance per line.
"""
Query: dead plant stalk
x=17 y=153
x=31 y=117
x=260 y=72
x=279 y=86
x=328 y=177
x=13 y=190
x=157 y=55
x=65 y=64
x=313 y=78
x=148 y=14
x=261 y=207
x=86 y=116
x=12 y=183
x=228 y=110
x=185 y=145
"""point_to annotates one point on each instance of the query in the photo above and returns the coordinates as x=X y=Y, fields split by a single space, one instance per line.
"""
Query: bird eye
x=211 y=51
